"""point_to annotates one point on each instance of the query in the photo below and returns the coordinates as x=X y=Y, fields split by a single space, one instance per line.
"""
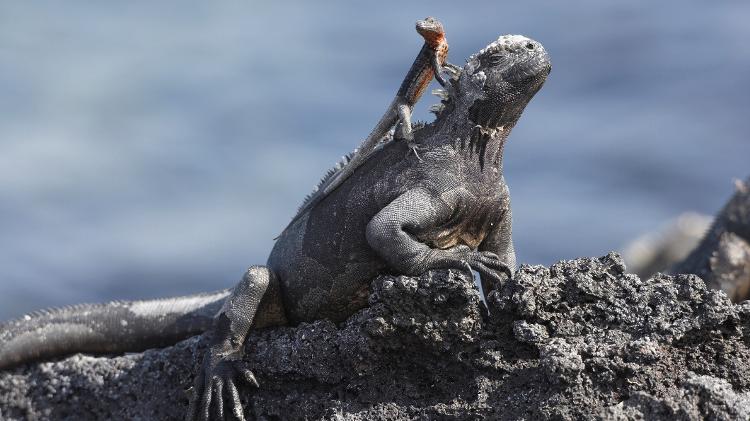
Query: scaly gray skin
x=112 y=327
x=722 y=258
x=428 y=64
x=451 y=209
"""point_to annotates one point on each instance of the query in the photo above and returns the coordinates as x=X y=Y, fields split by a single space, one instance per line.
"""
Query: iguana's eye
x=495 y=59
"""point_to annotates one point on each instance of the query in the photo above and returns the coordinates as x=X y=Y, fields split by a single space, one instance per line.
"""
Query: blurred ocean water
x=150 y=149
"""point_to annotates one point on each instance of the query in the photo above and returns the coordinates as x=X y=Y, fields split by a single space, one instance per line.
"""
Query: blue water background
x=156 y=148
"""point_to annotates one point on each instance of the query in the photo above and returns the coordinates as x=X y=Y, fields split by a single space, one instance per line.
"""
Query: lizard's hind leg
x=404 y=128
x=254 y=302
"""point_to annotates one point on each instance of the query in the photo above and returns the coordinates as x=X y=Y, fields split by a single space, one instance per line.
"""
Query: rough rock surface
x=579 y=340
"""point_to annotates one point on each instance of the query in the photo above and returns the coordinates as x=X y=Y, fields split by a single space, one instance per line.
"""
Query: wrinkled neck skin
x=479 y=143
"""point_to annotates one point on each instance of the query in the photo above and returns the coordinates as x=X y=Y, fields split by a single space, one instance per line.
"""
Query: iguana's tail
x=118 y=326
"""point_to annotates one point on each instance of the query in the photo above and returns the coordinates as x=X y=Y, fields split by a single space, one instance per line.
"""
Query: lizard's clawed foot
x=414 y=148
x=406 y=134
x=451 y=69
x=216 y=393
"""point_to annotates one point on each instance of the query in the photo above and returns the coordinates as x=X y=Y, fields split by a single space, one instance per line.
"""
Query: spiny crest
x=54 y=311
x=83 y=307
x=445 y=100
x=503 y=43
x=326 y=178
x=418 y=125
x=446 y=95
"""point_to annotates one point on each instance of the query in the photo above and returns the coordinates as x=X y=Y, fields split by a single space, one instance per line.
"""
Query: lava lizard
x=431 y=61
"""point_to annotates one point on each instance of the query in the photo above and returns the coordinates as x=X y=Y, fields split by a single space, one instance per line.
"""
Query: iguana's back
x=323 y=258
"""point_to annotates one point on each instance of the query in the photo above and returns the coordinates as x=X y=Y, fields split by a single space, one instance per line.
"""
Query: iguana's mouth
x=531 y=68
x=535 y=63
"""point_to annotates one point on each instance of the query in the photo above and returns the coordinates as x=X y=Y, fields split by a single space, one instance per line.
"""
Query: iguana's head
x=431 y=30
x=512 y=69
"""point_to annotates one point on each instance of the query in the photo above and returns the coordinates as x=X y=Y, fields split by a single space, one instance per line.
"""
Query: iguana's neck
x=475 y=126
x=486 y=146
x=479 y=146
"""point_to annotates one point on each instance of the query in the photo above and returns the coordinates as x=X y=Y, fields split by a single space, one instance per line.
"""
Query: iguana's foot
x=216 y=393
x=489 y=265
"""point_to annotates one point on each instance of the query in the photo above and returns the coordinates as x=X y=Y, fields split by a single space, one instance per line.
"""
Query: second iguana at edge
x=449 y=209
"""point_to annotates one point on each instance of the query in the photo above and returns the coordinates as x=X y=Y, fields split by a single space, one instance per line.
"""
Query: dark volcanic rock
x=580 y=340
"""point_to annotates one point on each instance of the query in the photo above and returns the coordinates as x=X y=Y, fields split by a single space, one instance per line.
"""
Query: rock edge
x=581 y=339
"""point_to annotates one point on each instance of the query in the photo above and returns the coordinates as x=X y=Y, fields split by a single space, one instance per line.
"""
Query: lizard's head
x=512 y=69
x=430 y=29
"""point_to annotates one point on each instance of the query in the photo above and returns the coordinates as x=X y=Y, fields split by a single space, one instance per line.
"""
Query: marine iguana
x=429 y=62
x=449 y=209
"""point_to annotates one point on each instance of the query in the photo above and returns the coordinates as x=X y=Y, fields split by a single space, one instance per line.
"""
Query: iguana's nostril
x=529 y=46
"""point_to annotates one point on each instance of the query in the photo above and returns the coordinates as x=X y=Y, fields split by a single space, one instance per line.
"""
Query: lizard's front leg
x=216 y=388
x=438 y=65
x=393 y=234
x=452 y=69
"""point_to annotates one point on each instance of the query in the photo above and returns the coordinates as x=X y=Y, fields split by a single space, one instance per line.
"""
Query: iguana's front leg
x=500 y=242
x=393 y=234
x=216 y=388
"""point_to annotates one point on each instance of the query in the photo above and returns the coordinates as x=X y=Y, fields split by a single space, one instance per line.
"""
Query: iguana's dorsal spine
x=307 y=201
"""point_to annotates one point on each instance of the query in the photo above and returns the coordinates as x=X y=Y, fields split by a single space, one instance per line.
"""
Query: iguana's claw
x=488 y=264
x=216 y=394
